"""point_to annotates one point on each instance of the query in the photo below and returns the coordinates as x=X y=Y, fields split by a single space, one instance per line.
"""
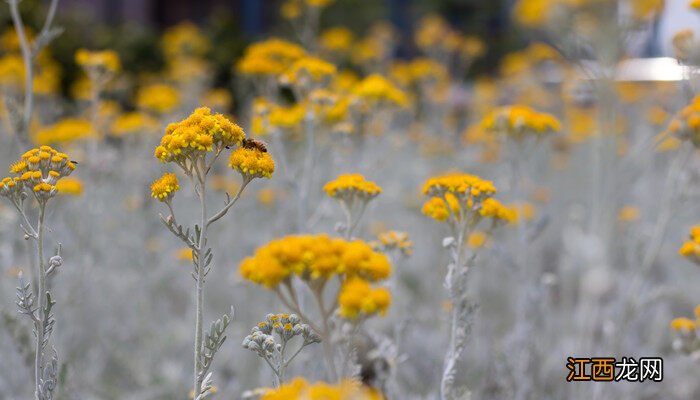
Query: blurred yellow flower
x=70 y=186
x=477 y=239
x=628 y=214
x=133 y=122
x=105 y=61
x=358 y=298
x=159 y=98
x=336 y=39
x=64 y=131
x=184 y=40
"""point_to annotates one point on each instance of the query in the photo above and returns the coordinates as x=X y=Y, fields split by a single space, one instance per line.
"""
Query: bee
x=74 y=162
x=254 y=144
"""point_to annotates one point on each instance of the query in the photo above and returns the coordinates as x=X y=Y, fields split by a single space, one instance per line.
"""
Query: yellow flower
x=533 y=13
x=309 y=69
x=691 y=248
x=252 y=163
x=159 y=98
x=461 y=184
x=313 y=257
x=184 y=254
x=695 y=4
x=336 y=39
x=133 y=122
x=267 y=196
x=269 y=57
x=628 y=214
x=300 y=389
x=196 y=135
x=477 y=239
x=683 y=324
x=38 y=170
x=64 y=131
x=184 y=40
x=358 y=298
x=396 y=240
x=686 y=124
x=351 y=186
x=164 y=188
x=106 y=61
x=70 y=186
x=377 y=88
x=287 y=117
x=494 y=209
x=520 y=121
x=436 y=207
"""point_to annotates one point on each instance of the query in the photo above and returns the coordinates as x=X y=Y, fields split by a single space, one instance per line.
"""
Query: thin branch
x=229 y=203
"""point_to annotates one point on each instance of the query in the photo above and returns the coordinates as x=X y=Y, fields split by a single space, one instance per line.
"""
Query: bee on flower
x=194 y=144
x=36 y=175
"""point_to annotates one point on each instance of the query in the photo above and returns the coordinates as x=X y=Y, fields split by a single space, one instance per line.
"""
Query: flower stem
x=200 y=285
x=41 y=295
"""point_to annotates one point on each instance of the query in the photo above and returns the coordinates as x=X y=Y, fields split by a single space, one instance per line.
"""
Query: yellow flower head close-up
x=164 y=188
x=196 y=135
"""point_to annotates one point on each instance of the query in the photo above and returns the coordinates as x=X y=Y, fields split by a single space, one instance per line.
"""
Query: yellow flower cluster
x=695 y=4
x=391 y=240
x=377 y=88
x=133 y=122
x=358 y=298
x=252 y=163
x=691 y=248
x=459 y=184
x=159 y=98
x=39 y=170
x=336 y=39
x=420 y=70
x=184 y=40
x=300 y=389
x=686 y=124
x=196 y=135
x=269 y=57
x=520 y=121
x=164 y=188
x=312 y=257
x=352 y=186
x=106 y=61
x=492 y=208
x=435 y=34
x=311 y=69
x=287 y=117
x=684 y=324
x=64 y=131
x=464 y=197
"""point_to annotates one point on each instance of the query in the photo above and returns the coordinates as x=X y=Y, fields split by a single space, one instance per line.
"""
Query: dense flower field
x=338 y=222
